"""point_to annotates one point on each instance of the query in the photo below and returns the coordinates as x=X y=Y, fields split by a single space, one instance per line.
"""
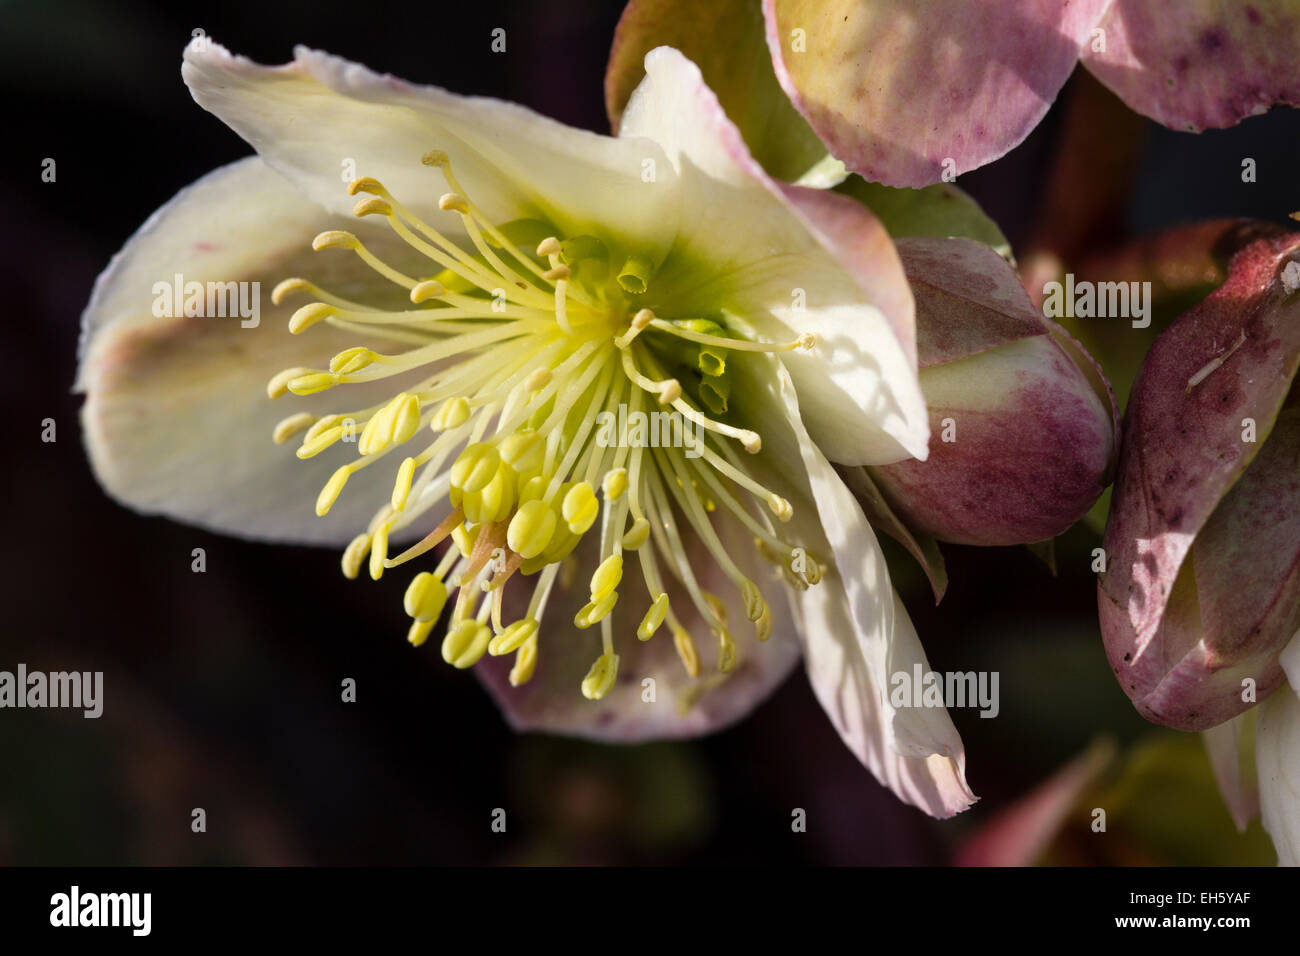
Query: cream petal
x=1239 y=787
x=855 y=631
x=739 y=71
x=790 y=260
x=176 y=420
x=312 y=116
x=1277 y=755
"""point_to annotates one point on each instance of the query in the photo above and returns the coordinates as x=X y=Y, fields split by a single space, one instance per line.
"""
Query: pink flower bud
x=1202 y=587
x=1022 y=422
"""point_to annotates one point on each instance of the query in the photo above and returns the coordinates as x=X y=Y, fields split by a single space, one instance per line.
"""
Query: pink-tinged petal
x=177 y=421
x=898 y=88
x=862 y=246
x=739 y=71
x=1230 y=359
x=1021 y=443
x=883 y=518
x=1227 y=744
x=1246 y=563
x=788 y=261
x=1018 y=835
x=321 y=115
x=1198 y=64
x=856 y=635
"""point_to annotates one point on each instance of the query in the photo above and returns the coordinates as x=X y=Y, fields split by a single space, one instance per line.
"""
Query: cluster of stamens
x=520 y=352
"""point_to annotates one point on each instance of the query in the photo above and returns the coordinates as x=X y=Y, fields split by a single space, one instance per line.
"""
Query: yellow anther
x=524 y=451
x=607 y=576
x=532 y=488
x=435 y=157
x=288 y=427
x=354 y=554
x=453 y=202
x=642 y=318
x=279 y=383
x=550 y=246
x=352 y=360
x=537 y=380
x=513 y=637
x=601 y=677
x=637 y=534
x=763 y=626
x=806 y=341
x=372 y=206
x=288 y=287
x=378 y=552
x=596 y=611
x=309 y=315
x=315 y=444
x=726 y=650
x=580 y=507
x=686 y=651
x=428 y=289
x=453 y=414
x=464 y=539
x=475 y=467
x=653 y=618
x=614 y=483
x=493 y=501
x=418 y=632
x=335 y=239
x=531 y=529
x=716 y=606
x=333 y=488
x=323 y=425
x=312 y=382
x=669 y=391
x=813 y=572
x=525 y=664
x=754 y=603
x=406 y=419
x=374 y=437
x=556 y=273
x=752 y=442
x=425 y=597
x=366 y=184
x=465 y=643
x=402 y=486
x=780 y=507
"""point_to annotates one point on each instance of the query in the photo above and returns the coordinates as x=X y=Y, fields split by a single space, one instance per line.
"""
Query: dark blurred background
x=223 y=688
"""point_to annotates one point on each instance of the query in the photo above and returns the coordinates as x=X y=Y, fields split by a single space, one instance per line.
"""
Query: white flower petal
x=854 y=629
x=1277 y=756
x=789 y=260
x=1240 y=790
x=176 y=419
x=312 y=116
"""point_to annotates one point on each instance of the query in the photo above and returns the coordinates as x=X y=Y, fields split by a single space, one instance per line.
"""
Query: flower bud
x=1022 y=422
x=1201 y=590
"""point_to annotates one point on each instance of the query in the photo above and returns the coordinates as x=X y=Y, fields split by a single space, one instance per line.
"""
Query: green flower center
x=544 y=389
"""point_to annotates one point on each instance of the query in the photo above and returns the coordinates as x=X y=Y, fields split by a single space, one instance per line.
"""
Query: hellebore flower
x=505 y=281
x=977 y=77
x=1022 y=422
x=1201 y=592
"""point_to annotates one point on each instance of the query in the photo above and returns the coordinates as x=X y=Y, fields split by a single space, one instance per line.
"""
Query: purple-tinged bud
x=1201 y=590
x=1022 y=422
